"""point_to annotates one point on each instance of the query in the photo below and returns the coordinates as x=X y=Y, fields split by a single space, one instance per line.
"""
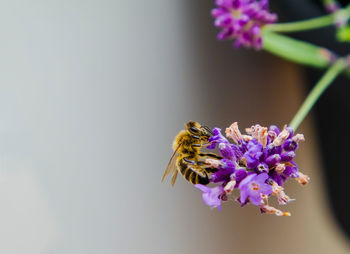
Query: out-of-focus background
x=92 y=94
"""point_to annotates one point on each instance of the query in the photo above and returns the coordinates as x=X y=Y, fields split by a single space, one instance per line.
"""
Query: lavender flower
x=217 y=138
x=253 y=187
x=242 y=21
x=257 y=164
x=212 y=196
x=226 y=169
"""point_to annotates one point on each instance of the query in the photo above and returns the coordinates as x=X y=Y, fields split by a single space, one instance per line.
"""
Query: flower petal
x=255 y=198
x=265 y=189
x=246 y=180
x=244 y=194
x=203 y=188
x=261 y=178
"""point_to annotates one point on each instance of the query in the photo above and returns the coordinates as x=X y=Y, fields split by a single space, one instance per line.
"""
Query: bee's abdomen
x=192 y=174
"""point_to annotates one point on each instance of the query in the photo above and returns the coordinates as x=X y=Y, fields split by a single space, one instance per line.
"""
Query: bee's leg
x=210 y=155
x=198 y=165
x=189 y=161
x=209 y=170
x=200 y=145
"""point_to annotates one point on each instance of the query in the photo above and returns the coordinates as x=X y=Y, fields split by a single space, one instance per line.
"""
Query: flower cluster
x=242 y=20
x=257 y=164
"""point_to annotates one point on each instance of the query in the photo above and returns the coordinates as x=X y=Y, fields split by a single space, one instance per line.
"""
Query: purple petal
x=244 y=195
x=217 y=12
x=240 y=175
x=275 y=129
x=291 y=131
x=287 y=156
x=237 y=151
x=226 y=33
x=224 y=20
x=255 y=198
x=290 y=145
x=224 y=3
x=211 y=196
x=224 y=173
x=290 y=171
x=272 y=160
x=226 y=151
x=246 y=180
x=277 y=178
x=203 y=188
x=261 y=178
x=265 y=189
x=270 y=149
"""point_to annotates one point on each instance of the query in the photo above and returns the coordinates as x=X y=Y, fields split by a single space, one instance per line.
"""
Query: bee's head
x=198 y=130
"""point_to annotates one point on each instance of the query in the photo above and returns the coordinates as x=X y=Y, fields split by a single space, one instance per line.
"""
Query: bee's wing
x=173 y=178
x=172 y=166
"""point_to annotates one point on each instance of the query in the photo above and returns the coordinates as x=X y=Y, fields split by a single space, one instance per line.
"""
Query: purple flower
x=217 y=138
x=258 y=164
x=211 y=196
x=240 y=174
x=291 y=171
x=252 y=187
x=331 y=6
x=272 y=160
x=287 y=156
x=276 y=177
x=290 y=145
x=254 y=153
x=242 y=20
x=224 y=172
x=275 y=129
x=226 y=151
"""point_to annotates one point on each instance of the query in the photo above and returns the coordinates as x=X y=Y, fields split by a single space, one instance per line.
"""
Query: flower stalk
x=326 y=80
x=297 y=51
x=302 y=25
x=310 y=24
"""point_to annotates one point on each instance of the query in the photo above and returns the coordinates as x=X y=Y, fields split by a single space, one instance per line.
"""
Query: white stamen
x=273 y=210
x=299 y=137
x=234 y=133
x=281 y=138
x=302 y=178
x=229 y=186
x=213 y=163
x=280 y=168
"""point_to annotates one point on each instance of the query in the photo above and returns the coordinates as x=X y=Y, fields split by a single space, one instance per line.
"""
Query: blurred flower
x=331 y=5
x=242 y=21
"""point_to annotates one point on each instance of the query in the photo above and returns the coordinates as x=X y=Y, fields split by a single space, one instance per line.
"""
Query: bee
x=188 y=158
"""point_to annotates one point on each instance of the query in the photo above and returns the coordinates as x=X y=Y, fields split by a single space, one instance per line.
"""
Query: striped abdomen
x=193 y=173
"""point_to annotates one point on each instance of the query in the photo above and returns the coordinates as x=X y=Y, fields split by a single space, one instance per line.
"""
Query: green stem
x=295 y=50
x=302 y=25
x=308 y=24
x=317 y=91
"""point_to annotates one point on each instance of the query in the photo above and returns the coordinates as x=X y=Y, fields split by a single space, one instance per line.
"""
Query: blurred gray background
x=92 y=94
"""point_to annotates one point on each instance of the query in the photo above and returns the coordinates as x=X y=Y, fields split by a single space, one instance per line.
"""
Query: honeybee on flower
x=256 y=163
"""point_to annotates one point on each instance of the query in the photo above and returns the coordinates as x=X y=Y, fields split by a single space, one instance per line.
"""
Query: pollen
x=255 y=186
